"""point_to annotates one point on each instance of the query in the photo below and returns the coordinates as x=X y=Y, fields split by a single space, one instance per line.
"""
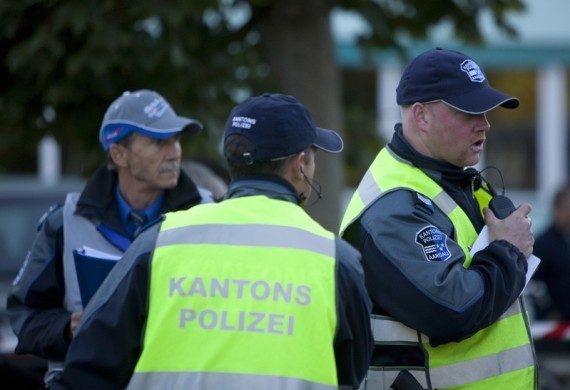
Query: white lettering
x=186 y=315
x=259 y=290
x=243 y=122
x=304 y=295
x=251 y=322
x=176 y=286
x=197 y=287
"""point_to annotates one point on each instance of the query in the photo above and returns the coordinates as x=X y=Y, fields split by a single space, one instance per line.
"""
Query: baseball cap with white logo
x=451 y=77
x=144 y=112
x=278 y=125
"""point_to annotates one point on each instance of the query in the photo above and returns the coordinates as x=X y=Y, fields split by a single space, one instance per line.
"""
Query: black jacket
x=441 y=299
x=553 y=248
x=35 y=304
x=108 y=343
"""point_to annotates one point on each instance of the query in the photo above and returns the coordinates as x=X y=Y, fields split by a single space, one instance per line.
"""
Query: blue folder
x=91 y=272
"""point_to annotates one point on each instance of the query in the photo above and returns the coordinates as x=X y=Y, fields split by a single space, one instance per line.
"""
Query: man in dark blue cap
x=142 y=179
x=248 y=293
x=444 y=317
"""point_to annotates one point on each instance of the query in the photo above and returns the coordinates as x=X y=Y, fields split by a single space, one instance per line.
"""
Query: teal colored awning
x=496 y=56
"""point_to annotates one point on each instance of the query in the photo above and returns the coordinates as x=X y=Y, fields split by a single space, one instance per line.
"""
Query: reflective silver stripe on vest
x=444 y=202
x=249 y=235
x=387 y=330
x=77 y=232
x=482 y=368
x=217 y=380
x=383 y=378
x=368 y=189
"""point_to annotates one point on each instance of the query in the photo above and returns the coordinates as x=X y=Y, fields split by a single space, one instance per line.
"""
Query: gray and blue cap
x=144 y=112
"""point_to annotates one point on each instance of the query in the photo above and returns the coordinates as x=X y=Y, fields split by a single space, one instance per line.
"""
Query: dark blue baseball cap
x=279 y=126
x=451 y=77
x=144 y=112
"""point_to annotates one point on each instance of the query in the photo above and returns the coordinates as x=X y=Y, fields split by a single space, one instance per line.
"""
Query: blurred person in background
x=141 y=180
x=207 y=175
x=553 y=248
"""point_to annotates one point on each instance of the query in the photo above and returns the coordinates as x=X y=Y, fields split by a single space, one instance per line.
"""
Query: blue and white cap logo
x=434 y=243
x=156 y=108
x=473 y=71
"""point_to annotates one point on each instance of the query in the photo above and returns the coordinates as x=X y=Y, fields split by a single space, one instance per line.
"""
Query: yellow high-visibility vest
x=242 y=295
x=499 y=356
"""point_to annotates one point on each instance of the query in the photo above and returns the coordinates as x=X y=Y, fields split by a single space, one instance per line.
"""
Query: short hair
x=125 y=142
x=235 y=146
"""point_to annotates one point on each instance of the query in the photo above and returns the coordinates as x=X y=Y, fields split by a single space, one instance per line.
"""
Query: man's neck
x=137 y=196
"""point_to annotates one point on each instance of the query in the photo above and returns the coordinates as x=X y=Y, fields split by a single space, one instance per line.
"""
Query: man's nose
x=483 y=122
x=173 y=148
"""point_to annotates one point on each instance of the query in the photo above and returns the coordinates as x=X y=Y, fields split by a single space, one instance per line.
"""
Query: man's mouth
x=479 y=144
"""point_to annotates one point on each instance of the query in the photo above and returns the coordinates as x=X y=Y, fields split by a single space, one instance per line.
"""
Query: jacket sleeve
x=98 y=357
x=414 y=270
x=35 y=303
x=353 y=343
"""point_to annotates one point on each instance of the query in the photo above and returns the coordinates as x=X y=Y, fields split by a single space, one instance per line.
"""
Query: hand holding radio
x=511 y=224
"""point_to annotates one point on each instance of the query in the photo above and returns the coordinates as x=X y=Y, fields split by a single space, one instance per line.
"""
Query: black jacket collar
x=97 y=201
x=272 y=186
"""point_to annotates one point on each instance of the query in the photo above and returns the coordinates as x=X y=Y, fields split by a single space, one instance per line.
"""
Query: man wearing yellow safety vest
x=248 y=293
x=443 y=317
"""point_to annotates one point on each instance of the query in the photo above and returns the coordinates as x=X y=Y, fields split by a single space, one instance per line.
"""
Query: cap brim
x=328 y=140
x=481 y=100
x=169 y=127
x=174 y=125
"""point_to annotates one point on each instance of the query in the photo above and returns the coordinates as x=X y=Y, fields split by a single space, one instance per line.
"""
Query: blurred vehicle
x=23 y=201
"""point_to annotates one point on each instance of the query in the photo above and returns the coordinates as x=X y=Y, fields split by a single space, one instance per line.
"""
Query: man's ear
x=118 y=154
x=299 y=162
x=421 y=115
x=292 y=169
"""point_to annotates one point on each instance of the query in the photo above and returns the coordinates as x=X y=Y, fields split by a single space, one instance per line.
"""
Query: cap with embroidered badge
x=279 y=126
x=144 y=112
x=451 y=77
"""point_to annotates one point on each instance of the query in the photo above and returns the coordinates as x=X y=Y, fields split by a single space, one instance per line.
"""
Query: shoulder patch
x=434 y=243
x=43 y=218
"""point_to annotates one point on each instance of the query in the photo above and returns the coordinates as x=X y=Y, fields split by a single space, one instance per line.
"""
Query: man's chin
x=168 y=183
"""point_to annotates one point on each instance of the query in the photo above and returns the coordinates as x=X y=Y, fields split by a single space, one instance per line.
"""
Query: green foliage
x=64 y=61
x=391 y=21
x=72 y=58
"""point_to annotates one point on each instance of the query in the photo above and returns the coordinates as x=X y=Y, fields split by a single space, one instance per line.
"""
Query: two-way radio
x=500 y=204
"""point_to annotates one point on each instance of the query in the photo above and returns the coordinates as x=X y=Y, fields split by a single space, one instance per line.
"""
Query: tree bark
x=297 y=42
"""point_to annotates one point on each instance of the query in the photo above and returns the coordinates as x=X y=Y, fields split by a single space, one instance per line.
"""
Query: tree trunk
x=298 y=44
